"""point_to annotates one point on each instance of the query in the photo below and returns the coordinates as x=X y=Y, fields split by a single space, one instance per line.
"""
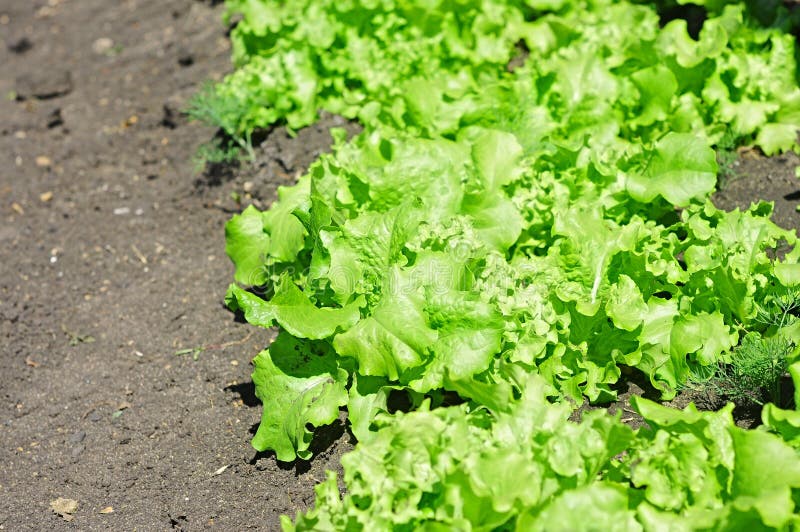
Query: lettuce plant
x=529 y=468
x=518 y=239
x=422 y=65
x=562 y=228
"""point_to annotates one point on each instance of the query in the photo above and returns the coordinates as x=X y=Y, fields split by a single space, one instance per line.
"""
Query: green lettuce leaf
x=293 y=311
x=300 y=385
x=246 y=244
x=681 y=168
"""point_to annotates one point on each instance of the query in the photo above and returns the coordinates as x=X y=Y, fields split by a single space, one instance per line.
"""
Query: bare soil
x=112 y=261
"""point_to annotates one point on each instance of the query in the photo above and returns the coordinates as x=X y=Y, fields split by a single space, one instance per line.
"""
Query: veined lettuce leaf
x=290 y=308
x=300 y=384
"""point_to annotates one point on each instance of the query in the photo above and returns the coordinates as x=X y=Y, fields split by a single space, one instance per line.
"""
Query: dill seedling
x=208 y=106
x=216 y=151
x=757 y=366
x=726 y=160
x=756 y=369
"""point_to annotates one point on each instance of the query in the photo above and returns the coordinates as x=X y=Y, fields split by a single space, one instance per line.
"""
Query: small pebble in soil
x=102 y=45
x=173 y=110
x=185 y=58
x=64 y=507
x=54 y=119
x=77 y=436
x=44 y=84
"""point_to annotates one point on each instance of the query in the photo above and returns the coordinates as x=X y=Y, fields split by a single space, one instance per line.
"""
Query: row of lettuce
x=529 y=468
x=519 y=237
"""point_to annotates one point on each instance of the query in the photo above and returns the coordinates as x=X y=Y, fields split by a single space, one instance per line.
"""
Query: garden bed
x=125 y=381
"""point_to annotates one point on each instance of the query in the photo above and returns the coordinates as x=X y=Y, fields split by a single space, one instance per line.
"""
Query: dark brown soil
x=753 y=177
x=112 y=260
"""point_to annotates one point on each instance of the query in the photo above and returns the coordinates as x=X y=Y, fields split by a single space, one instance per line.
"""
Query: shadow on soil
x=324 y=439
x=246 y=391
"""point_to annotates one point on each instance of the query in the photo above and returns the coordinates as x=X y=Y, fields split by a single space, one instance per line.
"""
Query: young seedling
x=208 y=106
x=195 y=351
x=757 y=366
x=756 y=370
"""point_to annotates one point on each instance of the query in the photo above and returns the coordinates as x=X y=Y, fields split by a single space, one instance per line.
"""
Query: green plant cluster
x=519 y=239
x=529 y=468
x=757 y=368
x=420 y=65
